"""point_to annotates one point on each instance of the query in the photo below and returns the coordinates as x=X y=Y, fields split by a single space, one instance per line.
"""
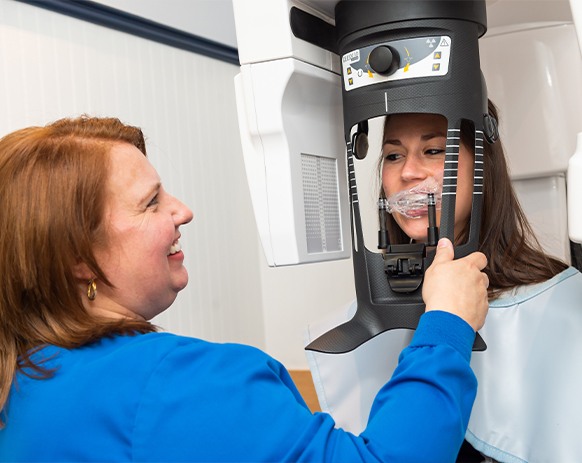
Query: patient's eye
x=391 y=157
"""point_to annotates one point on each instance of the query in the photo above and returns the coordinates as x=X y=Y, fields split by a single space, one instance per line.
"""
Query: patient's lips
x=413 y=203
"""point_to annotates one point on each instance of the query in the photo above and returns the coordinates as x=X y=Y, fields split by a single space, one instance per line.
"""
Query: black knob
x=384 y=60
x=490 y=128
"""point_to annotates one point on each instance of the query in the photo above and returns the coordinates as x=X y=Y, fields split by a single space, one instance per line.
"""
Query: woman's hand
x=457 y=286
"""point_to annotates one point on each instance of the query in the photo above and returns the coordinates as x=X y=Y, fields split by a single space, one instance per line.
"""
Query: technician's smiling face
x=142 y=258
x=413 y=149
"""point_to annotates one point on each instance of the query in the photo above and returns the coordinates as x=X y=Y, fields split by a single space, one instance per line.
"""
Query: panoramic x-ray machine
x=313 y=73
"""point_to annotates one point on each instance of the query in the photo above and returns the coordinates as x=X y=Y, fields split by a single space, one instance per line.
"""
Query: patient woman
x=527 y=407
x=90 y=251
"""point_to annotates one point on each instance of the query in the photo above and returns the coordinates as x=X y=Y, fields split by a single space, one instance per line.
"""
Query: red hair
x=52 y=196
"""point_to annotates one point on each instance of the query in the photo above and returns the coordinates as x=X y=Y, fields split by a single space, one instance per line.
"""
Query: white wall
x=211 y=19
x=55 y=66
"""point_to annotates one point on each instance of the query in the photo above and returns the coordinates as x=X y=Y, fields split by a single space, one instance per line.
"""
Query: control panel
x=396 y=60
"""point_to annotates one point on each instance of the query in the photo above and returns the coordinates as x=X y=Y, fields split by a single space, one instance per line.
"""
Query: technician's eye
x=153 y=202
x=435 y=151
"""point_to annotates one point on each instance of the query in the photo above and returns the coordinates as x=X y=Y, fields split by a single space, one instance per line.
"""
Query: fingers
x=444 y=251
x=485 y=280
x=457 y=286
x=477 y=259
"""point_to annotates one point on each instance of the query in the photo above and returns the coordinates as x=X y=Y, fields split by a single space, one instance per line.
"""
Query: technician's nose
x=182 y=213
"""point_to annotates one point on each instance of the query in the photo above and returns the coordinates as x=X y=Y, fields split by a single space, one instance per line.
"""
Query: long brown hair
x=514 y=255
x=52 y=197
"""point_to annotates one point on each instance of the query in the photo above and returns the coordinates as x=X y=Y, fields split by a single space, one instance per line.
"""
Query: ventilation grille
x=321 y=204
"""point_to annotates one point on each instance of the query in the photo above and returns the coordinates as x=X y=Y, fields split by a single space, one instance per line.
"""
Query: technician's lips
x=176 y=247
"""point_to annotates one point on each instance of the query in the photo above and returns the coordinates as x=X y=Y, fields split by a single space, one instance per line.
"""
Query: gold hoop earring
x=91 y=289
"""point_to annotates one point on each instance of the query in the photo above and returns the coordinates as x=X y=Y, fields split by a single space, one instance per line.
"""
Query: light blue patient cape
x=529 y=399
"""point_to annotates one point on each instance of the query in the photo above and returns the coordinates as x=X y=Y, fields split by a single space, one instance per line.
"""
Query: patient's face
x=413 y=149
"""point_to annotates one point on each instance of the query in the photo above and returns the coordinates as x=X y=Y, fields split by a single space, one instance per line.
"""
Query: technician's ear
x=82 y=271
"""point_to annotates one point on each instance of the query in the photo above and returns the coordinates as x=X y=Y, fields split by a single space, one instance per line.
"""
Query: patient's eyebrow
x=424 y=137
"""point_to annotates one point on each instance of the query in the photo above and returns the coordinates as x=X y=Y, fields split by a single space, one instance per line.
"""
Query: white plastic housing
x=576 y=8
x=534 y=75
x=575 y=163
x=263 y=32
x=575 y=194
x=544 y=201
x=290 y=119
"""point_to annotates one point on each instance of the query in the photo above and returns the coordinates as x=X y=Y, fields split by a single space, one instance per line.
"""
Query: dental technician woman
x=90 y=251
x=527 y=407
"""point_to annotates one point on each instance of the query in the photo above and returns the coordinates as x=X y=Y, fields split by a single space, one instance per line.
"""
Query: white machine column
x=290 y=116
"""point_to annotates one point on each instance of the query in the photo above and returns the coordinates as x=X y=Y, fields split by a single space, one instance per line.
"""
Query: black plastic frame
x=460 y=96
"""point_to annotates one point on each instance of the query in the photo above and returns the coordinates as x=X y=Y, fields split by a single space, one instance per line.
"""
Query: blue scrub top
x=159 y=397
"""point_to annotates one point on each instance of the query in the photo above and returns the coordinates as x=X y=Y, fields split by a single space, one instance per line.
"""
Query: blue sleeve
x=234 y=403
x=428 y=400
